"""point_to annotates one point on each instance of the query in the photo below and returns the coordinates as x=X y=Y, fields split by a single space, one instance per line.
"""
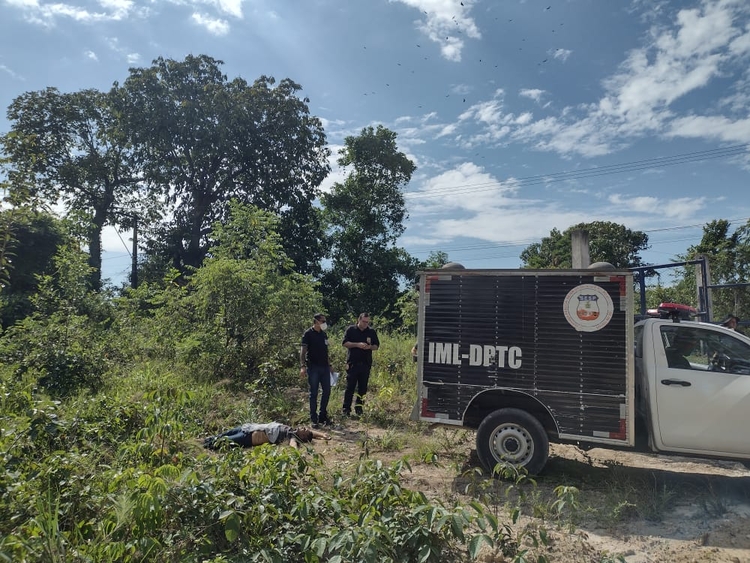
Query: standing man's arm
x=375 y=342
x=302 y=361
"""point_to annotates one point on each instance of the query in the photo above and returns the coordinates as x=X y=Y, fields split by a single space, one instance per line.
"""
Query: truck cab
x=693 y=388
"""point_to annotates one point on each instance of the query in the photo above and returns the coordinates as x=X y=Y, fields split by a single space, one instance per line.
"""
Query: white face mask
x=323 y=326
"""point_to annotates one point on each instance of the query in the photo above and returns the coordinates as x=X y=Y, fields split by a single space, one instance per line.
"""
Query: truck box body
x=561 y=338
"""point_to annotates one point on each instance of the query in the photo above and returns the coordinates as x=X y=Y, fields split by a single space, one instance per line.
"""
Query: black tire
x=512 y=436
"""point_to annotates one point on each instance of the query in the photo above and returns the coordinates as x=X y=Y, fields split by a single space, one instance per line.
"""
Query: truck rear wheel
x=512 y=436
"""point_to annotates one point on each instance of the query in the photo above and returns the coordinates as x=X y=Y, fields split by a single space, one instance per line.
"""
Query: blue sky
x=520 y=115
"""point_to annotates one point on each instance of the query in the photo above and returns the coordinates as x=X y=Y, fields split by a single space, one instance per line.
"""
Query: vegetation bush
x=110 y=478
x=65 y=340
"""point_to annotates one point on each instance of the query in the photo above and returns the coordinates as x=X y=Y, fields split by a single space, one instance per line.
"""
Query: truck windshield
x=688 y=347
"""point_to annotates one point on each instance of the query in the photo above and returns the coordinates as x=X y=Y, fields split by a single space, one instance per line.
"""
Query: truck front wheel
x=512 y=436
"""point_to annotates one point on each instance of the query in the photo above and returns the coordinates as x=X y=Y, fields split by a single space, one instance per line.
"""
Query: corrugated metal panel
x=510 y=330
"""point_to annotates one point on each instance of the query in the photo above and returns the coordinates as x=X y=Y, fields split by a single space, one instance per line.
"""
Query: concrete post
x=579 y=241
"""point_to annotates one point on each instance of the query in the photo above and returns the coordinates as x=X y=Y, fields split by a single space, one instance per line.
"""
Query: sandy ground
x=638 y=507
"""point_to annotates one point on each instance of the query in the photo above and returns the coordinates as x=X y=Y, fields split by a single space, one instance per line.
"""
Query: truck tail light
x=426 y=413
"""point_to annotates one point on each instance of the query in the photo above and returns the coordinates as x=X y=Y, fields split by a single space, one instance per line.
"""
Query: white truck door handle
x=675 y=382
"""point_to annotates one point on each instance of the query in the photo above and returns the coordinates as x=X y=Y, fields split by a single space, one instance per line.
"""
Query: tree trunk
x=193 y=255
x=95 y=256
x=95 y=237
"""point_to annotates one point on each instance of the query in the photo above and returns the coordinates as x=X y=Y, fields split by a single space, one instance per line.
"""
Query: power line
x=632 y=166
x=118 y=255
x=123 y=243
x=511 y=244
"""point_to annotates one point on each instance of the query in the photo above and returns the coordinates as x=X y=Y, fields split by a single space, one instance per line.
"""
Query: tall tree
x=366 y=215
x=728 y=254
x=205 y=140
x=71 y=145
x=608 y=242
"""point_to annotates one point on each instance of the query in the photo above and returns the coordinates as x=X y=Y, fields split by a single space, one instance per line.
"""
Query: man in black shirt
x=684 y=343
x=313 y=357
x=359 y=340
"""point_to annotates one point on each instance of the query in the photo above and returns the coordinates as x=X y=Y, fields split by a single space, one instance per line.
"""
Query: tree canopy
x=204 y=140
x=365 y=216
x=608 y=242
x=69 y=147
x=728 y=253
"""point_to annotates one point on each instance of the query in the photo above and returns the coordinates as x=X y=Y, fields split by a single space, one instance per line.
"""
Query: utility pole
x=703 y=289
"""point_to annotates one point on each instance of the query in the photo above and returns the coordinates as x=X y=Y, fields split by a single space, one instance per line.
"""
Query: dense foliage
x=69 y=147
x=608 y=242
x=37 y=235
x=204 y=140
x=365 y=216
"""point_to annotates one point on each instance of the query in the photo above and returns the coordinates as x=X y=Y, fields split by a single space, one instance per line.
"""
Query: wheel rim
x=512 y=443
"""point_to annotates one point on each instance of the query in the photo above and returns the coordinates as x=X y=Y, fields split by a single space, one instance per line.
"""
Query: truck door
x=702 y=389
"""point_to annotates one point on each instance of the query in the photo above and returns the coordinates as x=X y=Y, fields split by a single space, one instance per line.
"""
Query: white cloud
x=697 y=46
x=91 y=55
x=460 y=89
x=494 y=211
x=9 y=71
x=532 y=93
x=446 y=22
x=328 y=123
x=214 y=26
x=116 y=241
x=114 y=45
x=447 y=190
x=562 y=54
x=741 y=45
x=467 y=202
x=509 y=225
x=711 y=127
x=28 y=4
x=524 y=118
x=337 y=173
x=118 y=8
x=231 y=7
x=679 y=208
x=447 y=130
x=47 y=14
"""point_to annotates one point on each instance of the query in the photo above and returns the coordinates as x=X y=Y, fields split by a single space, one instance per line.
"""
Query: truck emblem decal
x=588 y=308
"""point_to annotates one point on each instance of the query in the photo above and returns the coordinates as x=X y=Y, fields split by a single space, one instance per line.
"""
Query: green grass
x=120 y=475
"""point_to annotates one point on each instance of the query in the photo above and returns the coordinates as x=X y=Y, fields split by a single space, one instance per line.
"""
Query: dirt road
x=638 y=507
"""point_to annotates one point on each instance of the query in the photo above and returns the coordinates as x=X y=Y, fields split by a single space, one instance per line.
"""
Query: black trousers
x=357 y=378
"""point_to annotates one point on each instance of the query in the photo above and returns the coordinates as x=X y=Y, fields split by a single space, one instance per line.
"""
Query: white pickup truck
x=529 y=357
x=693 y=388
